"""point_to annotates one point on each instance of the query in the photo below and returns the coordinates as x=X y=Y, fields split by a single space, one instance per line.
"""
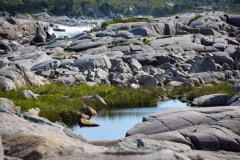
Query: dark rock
x=40 y=36
x=211 y=100
x=208 y=31
x=234 y=20
x=148 y=81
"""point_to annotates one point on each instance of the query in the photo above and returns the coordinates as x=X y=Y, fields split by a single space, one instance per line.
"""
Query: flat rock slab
x=215 y=128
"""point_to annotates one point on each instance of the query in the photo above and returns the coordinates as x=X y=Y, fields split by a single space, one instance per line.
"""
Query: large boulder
x=234 y=20
x=211 y=100
x=148 y=81
x=8 y=106
x=41 y=34
x=93 y=61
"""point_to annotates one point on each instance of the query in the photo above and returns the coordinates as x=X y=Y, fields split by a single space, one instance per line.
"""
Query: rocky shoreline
x=183 y=50
x=186 y=134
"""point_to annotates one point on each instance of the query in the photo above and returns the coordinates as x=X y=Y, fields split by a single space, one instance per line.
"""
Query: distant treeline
x=101 y=8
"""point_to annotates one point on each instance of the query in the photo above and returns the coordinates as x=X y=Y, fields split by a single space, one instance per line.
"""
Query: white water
x=70 y=31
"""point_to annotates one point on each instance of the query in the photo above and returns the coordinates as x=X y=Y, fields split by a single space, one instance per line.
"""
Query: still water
x=115 y=123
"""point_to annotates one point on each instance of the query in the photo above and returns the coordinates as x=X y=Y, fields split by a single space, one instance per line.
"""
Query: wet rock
x=8 y=106
x=211 y=100
x=87 y=123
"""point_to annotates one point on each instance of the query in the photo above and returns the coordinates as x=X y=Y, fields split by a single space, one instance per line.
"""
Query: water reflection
x=115 y=123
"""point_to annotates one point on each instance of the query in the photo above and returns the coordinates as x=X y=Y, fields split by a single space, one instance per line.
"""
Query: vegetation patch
x=127 y=20
x=191 y=92
x=55 y=99
x=146 y=41
x=63 y=103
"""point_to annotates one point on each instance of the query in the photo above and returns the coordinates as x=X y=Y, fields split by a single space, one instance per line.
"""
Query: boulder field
x=180 y=50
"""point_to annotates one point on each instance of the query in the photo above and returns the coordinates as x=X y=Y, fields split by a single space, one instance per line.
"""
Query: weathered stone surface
x=203 y=129
x=27 y=140
x=211 y=100
x=8 y=106
x=141 y=145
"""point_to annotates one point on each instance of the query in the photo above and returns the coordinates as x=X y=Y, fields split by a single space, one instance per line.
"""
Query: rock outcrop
x=202 y=129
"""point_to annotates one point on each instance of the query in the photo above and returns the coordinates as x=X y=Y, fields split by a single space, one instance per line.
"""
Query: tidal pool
x=115 y=123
